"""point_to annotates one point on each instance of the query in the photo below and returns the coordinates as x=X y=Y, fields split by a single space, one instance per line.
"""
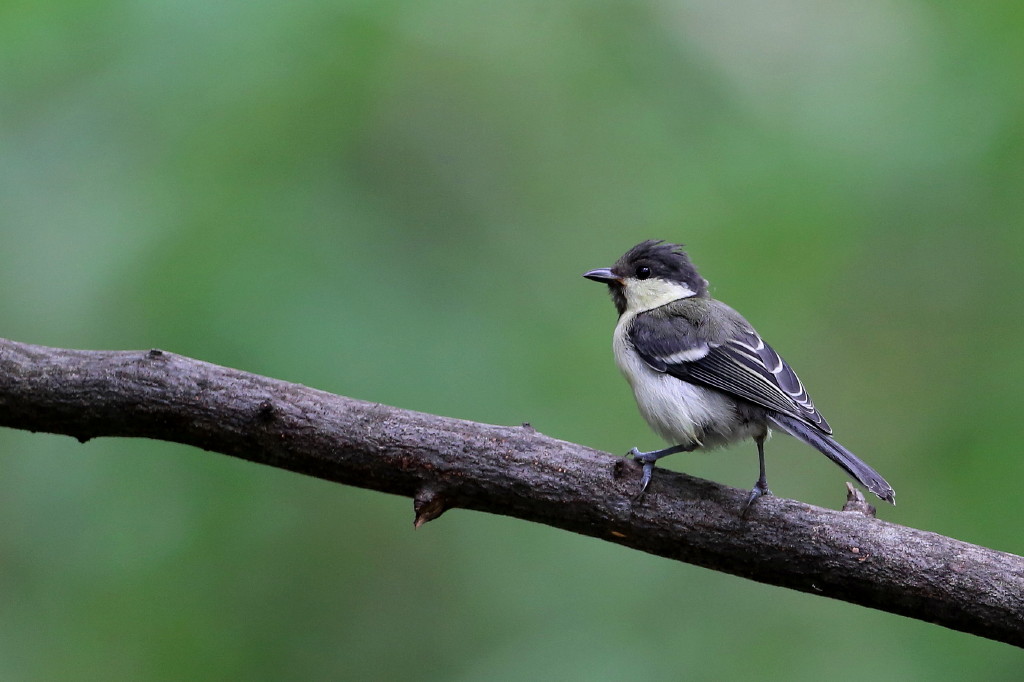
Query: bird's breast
x=678 y=411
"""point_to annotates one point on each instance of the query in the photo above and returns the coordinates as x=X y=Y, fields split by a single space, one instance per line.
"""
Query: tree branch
x=443 y=463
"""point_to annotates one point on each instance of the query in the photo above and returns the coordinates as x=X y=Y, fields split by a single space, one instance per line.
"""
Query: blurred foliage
x=394 y=201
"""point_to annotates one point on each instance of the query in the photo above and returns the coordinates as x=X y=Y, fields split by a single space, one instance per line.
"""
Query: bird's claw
x=648 y=469
x=643 y=457
x=759 y=490
x=645 y=480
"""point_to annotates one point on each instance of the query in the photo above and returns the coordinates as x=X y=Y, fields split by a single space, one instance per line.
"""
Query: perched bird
x=701 y=374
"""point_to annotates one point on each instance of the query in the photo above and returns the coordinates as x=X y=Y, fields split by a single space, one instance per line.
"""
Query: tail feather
x=867 y=476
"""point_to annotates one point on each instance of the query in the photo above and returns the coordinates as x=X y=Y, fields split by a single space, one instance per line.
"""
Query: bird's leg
x=649 y=458
x=761 y=487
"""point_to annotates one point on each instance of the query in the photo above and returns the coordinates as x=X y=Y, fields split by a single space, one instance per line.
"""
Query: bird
x=701 y=374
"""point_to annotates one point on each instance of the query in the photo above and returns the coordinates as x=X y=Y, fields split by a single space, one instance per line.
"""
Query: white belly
x=679 y=412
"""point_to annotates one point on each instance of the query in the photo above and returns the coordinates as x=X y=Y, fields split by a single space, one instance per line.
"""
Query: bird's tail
x=868 y=477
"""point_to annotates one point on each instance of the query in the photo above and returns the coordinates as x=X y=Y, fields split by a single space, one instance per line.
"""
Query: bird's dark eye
x=643 y=272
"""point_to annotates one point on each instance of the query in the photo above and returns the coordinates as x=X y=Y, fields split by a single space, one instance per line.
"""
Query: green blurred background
x=394 y=201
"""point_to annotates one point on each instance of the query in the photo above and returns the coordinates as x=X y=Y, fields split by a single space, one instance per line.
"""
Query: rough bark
x=443 y=463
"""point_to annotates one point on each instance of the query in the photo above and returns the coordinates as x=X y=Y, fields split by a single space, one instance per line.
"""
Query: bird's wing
x=736 y=361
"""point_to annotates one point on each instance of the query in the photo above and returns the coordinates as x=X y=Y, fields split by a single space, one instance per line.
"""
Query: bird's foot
x=760 y=489
x=651 y=455
x=647 y=459
x=645 y=479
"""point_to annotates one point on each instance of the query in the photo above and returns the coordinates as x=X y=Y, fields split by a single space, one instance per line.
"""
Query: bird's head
x=649 y=275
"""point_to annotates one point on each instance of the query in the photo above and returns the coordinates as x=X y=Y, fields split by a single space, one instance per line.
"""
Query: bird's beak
x=604 y=275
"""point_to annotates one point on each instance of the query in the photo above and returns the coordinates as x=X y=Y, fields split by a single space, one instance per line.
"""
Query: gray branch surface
x=444 y=463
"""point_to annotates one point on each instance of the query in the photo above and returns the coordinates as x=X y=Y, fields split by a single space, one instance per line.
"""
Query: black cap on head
x=662 y=260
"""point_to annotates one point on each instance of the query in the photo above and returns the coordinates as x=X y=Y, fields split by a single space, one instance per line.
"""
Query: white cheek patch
x=645 y=294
